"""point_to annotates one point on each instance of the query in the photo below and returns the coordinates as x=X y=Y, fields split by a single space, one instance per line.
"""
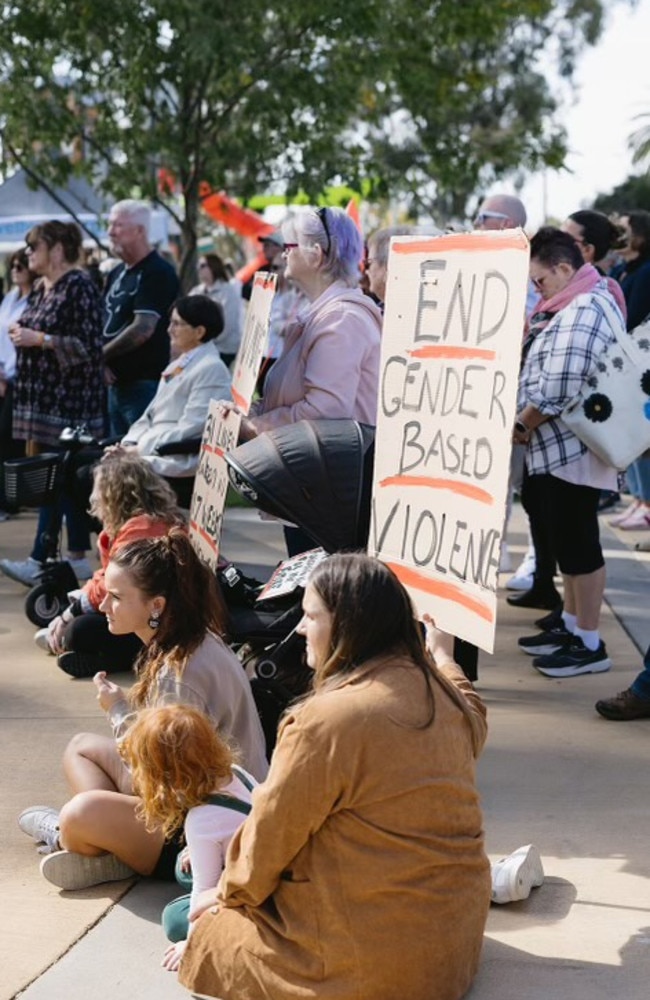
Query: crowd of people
x=370 y=794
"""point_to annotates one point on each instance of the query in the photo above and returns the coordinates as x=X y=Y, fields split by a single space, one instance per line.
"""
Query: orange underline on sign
x=204 y=535
x=433 y=351
x=448 y=591
x=463 y=489
x=475 y=242
x=239 y=400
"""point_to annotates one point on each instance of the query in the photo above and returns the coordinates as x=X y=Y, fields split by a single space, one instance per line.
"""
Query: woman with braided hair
x=161 y=591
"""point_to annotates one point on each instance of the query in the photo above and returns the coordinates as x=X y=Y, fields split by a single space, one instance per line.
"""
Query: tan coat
x=360 y=873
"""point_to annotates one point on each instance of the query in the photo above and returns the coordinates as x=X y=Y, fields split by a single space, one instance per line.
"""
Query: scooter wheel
x=42 y=605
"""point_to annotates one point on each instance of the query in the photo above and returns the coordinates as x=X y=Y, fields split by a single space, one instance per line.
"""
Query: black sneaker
x=546 y=642
x=80 y=664
x=536 y=597
x=574 y=659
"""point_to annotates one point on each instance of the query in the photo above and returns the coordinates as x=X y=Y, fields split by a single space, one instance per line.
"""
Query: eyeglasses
x=485 y=216
x=286 y=247
x=179 y=322
x=322 y=215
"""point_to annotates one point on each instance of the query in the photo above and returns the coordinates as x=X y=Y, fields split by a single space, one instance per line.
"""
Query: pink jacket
x=330 y=364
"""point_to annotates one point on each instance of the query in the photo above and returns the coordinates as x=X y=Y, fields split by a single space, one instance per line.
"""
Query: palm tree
x=639 y=141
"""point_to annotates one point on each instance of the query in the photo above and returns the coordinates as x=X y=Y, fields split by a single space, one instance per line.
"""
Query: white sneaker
x=41 y=640
x=25 y=571
x=514 y=877
x=41 y=823
x=82 y=569
x=523 y=578
x=78 y=871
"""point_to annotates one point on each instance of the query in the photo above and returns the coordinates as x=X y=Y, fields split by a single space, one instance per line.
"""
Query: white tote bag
x=611 y=413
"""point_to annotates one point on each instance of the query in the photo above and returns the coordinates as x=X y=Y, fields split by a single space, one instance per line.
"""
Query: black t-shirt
x=150 y=286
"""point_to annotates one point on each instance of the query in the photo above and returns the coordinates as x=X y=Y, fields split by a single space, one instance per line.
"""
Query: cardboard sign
x=292 y=574
x=254 y=340
x=451 y=348
x=211 y=483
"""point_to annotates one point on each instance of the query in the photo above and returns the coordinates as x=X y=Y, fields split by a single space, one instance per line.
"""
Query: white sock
x=570 y=621
x=590 y=637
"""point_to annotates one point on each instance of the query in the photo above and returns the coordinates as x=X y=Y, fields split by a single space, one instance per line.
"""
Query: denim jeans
x=77 y=524
x=128 y=402
x=641 y=685
x=638 y=479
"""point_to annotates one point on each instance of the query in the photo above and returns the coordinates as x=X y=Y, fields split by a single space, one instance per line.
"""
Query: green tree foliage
x=430 y=98
x=632 y=194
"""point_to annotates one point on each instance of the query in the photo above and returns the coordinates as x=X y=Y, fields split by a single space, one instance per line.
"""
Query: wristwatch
x=521 y=428
x=47 y=340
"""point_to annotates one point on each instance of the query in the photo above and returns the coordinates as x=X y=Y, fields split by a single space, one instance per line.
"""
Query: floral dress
x=62 y=386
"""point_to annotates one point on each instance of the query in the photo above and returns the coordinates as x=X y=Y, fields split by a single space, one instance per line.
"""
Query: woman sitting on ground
x=160 y=590
x=185 y=776
x=194 y=377
x=361 y=869
x=131 y=501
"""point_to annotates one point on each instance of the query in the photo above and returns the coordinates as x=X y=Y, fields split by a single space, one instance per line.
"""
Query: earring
x=154 y=619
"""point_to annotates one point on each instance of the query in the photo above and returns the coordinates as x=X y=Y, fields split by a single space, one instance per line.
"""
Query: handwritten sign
x=254 y=340
x=220 y=435
x=451 y=348
x=292 y=574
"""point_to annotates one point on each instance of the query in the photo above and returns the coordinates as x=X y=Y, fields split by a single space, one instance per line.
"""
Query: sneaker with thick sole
x=80 y=664
x=40 y=638
x=547 y=641
x=77 y=871
x=523 y=578
x=41 y=823
x=26 y=571
x=624 y=707
x=573 y=660
x=536 y=597
x=514 y=877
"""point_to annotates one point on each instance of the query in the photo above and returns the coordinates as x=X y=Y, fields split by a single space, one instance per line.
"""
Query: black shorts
x=570 y=515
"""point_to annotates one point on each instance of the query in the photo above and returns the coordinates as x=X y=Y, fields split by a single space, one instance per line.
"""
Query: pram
x=316 y=474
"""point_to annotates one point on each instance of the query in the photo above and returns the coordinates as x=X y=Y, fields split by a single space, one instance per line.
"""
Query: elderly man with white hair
x=500 y=211
x=138 y=297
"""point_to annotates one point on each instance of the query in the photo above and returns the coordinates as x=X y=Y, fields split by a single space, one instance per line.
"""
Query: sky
x=612 y=85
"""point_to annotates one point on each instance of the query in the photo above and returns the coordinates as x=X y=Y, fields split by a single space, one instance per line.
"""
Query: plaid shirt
x=558 y=359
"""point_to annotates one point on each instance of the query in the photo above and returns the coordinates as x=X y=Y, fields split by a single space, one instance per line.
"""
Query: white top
x=228 y=295
x=11 y=309
x=208 y=831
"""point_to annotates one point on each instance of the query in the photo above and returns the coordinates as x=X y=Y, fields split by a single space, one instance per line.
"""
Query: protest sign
x=254 y=340
x=211 y=483
x=451 y=348
x=292 y=574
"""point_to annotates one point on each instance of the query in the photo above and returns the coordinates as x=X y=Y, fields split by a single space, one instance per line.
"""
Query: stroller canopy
x=315 y=473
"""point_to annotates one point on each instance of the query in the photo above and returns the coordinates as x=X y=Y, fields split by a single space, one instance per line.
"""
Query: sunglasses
x=322 y=215
x=485 y=216
x=286 y=247
x=18 y=267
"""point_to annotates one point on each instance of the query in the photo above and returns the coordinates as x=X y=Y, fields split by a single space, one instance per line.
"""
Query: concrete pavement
x=553 y=773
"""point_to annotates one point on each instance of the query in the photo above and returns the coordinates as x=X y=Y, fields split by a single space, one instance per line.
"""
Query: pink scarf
x=584 y=280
